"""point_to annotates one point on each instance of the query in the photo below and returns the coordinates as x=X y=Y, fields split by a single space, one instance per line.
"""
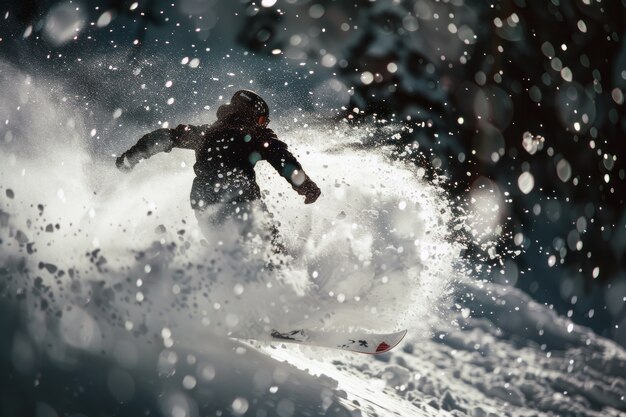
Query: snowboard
x=359 y=342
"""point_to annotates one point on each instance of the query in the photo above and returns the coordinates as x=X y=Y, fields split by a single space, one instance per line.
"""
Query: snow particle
x=238 y=289
x=240 y=406
x=618 y=96
x=178 y=411
x=268 y=3
x=104 y=19
x=563 y=170
x=367 y=78
x=596 y=272
x=551 y=260
x=63 y=22
x=295 y=40
x=207 y=372
x=535 y=94
x=532 y=143
x=566 y=74
x=254 y=157
x=410 y=23
x=189 y=382
x=329 y=60
x=526 y=182
x=166 y=333
x=316 y=11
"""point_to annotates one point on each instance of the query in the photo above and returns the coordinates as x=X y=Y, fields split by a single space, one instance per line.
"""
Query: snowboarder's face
x=263 y=121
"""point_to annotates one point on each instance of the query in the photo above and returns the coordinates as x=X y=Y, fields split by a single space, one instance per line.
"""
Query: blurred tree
x=32 y=13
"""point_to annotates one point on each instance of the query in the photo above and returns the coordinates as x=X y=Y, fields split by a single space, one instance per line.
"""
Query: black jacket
x=226 y=153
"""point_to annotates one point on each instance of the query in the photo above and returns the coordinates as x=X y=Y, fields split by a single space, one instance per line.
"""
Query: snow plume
x=113 y=302
x=95 y=251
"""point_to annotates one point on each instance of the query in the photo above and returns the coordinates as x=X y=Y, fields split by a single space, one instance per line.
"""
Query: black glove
x=309 y=190
x=123 y=163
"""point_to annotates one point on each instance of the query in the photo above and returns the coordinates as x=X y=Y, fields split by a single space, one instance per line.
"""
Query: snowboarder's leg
x=210 y=213
x=274 y=237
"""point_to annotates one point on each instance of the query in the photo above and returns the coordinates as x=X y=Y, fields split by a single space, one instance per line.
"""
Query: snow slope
x=492 y=364
x=113 y=302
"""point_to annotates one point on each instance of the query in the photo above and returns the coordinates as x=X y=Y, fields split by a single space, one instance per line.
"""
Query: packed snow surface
x=109 y=276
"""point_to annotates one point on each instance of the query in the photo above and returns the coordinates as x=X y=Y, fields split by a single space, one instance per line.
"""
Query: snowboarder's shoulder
x=269 y=136
x=183 y=129
x=260 y=131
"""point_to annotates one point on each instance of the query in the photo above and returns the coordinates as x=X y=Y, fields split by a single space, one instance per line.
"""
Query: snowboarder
x=226 y=153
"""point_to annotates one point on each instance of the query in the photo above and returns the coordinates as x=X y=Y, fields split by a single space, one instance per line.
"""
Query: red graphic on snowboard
x=383 y=347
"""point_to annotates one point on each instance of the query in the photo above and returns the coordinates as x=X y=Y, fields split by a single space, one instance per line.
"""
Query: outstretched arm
x=161 y=140
x=150 y=144
x=287 y=165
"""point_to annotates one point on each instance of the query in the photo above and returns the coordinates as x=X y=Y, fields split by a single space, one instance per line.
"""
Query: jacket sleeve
x=161 y=140
x=275 y=152
x=188 y=136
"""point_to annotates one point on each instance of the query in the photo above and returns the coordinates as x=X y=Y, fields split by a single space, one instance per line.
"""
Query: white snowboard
x=359 y=342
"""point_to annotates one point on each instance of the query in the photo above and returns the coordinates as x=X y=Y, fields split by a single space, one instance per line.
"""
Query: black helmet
x=246 y=104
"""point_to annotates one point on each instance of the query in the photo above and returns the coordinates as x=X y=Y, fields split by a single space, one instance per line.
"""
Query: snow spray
x=94 y=250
